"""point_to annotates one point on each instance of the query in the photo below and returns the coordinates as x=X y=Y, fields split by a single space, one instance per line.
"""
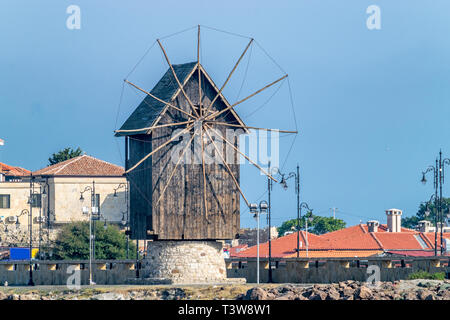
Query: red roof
x=82 y=166
x=286 y=245
x=354 y=241
x=8 y=170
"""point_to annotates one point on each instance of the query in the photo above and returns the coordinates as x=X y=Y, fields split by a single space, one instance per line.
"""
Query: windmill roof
x=149 y=109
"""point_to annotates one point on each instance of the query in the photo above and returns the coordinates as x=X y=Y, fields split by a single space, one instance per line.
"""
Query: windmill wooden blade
x=156 y=126
x=247 y=127
x=159 y=148
x=158 y=99
x=228 y=168
x=229 y=76
x=245 y=156
x=218 y=113
x=175 y=168
x=176 y=78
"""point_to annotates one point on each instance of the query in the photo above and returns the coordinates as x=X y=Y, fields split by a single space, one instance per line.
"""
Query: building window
x=5 y=201
x=36 y=200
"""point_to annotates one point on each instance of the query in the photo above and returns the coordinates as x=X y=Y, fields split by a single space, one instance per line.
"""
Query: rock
x=410 y=296
x=256 y=293
x=3 y=296
x=108 y=296
x=363 y=293
x=425 y=295
x=318 y=295
x=348 y=291
x=333 y=295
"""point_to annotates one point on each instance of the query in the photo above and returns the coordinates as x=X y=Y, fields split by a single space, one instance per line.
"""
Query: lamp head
x=81 y=197
x=253 y=208
x=283 y=183
x=115 y=193
x=424 y=179
x=263 y=206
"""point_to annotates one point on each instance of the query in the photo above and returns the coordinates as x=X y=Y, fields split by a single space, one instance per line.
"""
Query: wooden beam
x=247 y=127
x=156 y=126
x=159 y=148
x=174 y=169
x=249 y=160
x=199 y=74
x=229 y=170
x=204 y=174
x=218 y=113
x=229 y=76
x=176 y=78
x=158 y=99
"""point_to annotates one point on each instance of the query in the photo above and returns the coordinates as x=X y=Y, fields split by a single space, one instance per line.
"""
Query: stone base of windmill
x=184 y=262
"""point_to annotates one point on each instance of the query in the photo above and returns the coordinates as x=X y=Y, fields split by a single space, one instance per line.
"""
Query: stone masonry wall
x=185 y=262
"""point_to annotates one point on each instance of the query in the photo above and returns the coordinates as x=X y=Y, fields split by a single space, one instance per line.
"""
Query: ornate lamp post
x=433 y=169
x=308 y=219
x=125 y=215
x=89 y=212
x=30 y=230
x=283 y=183
x=263 y=208
x=442 y=163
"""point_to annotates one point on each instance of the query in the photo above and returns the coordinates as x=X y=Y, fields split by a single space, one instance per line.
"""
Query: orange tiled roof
x=337 y=254
x=286 y=245
x=13 y=171
x=354 y=241
x=83 y=165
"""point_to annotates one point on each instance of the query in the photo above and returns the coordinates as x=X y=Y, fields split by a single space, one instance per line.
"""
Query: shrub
x=426 y=275
x=72 y=242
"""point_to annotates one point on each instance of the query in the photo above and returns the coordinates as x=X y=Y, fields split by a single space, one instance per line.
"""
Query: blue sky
x=371 y=105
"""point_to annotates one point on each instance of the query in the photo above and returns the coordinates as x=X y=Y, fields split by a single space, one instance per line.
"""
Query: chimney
x=424 y=226
x=372 y=225
x=394 y=220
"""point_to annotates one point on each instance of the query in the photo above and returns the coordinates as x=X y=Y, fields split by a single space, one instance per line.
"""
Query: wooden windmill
x=171 y=200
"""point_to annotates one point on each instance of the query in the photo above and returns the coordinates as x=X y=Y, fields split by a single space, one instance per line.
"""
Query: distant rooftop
x=83 y=165
x=8 y=170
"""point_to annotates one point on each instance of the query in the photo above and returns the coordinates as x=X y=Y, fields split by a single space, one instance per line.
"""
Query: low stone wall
x=62 y=272
x=302 y=270
x=292 y=270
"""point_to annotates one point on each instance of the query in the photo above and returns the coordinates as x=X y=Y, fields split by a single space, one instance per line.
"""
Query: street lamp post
x=442 y=163
x=30 y=231
x=433 y=169
x=124 y=221
x=269 y=212
x=89 y=212
x=263 y=208
x=308 y=219
x=283 y=183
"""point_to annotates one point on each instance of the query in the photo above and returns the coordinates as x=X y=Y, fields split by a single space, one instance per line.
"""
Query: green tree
x=421 y=214
x=72 y=242
x=63 y=155
x=318 y=225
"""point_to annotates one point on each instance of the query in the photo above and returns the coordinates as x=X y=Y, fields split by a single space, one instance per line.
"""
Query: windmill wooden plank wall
x=180 y=214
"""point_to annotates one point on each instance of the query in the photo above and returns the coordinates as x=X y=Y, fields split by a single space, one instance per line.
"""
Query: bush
x=426 y=275
x=72 y=243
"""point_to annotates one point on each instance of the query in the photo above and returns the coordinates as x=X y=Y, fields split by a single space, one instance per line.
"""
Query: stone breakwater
x=353 y=290
x=348 y=290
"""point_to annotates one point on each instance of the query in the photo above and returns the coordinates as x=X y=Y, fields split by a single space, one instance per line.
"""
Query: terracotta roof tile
x=83 y=165
x=8 y=170
x=349 y=242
